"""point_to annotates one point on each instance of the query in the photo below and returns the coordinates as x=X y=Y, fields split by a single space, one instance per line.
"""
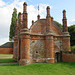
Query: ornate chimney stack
x=25 y=7
x=25 y=15
x=65 y=28
x=66 y=38
x=25 y=40
x=32 y=22
x=19 y=16
x=48 y=18
x=16 y=26
x=64 y=14
x=19 y=19
x=38 y=17
x=48 y=11
x=51 y=18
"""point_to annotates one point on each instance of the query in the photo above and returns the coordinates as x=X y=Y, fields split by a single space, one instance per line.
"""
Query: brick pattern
x=37 y=49
x=68 y=57
x=66 y=43
x=50 y=48
x=6 y=50
x=41 y=41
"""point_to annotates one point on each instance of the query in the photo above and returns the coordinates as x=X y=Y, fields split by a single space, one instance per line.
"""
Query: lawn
x=64 y=68
x=6 y=58
x=67 y=68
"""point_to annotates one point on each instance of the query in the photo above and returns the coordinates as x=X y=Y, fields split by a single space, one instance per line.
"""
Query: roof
x=7 y=44
x=39 y=27
x=44 y=20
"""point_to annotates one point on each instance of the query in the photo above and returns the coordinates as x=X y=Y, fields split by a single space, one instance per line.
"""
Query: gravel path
x=7 y=63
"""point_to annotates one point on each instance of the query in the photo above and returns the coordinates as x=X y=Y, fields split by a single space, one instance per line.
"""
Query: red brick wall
x=68 y=57
x=6 y=50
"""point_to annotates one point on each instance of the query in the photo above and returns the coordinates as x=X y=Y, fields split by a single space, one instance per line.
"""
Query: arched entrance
x=58 y=56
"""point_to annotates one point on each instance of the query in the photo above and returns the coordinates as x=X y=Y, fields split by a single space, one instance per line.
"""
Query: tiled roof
x=7 y=44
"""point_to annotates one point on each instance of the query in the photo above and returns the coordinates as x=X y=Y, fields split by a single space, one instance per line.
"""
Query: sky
x=57 y=6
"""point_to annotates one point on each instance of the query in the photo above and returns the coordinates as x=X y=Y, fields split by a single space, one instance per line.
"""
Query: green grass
x=67 y=68
x=64 y=68
x=7 y=60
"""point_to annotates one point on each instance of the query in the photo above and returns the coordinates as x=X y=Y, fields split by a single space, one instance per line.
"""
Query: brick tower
x=25 y=39
x=49 y=39
x=66 y=36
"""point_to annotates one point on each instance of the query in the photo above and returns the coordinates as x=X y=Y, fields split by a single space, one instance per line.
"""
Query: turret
x=48 y=11
x=19 y=16
x=48 y=18
x=25 y=40
x=52 y=19
x=38 y=17
x=16 y=26
x=25 y=7
x=25 y=15
x=19 y=19
x=32 y=22
x=64 y=14
x=66 y=36
x=65 y=28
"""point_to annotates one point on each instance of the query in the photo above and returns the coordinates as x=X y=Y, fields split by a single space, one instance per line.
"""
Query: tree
x=71 y=30
x=13 y=23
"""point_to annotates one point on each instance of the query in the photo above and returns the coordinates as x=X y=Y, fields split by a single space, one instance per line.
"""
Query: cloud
x=72 y=22
x=2 y=3
x=4 y=40
x=6 y=14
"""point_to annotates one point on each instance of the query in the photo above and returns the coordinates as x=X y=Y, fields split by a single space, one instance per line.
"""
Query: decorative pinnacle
x=52 y=18
x=48 y=7
x=25 y=3
x=32 y=22
x=64 y=10
x=19 y=13
x=64 y=13
x=38 y=9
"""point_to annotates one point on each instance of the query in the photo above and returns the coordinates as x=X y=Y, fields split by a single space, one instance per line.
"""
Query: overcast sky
x=57 y=6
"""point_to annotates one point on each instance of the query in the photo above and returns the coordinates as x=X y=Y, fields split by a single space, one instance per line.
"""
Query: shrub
x=73 y=48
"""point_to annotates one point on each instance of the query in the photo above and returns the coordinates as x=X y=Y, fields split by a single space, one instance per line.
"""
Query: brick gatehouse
x=43 y=42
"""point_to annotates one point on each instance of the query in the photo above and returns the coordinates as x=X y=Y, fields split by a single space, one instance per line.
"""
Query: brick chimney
x=19 y=19
x=25 y=40
x=32 y=22
x=48 y=18
x=25 y=15
x=51 y=18
x=16 y=26
x=66 y=38
x=65 y=28
x=25 y=7
x=38 y=17
x=48 y=11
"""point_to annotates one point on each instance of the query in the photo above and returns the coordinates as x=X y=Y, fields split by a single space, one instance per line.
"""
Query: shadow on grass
x=68 y=64
x=7 y=60
x=10 y=65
